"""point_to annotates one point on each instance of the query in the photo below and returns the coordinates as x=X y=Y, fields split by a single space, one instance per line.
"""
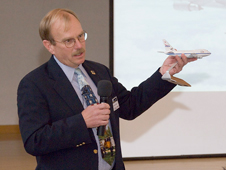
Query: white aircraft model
x=169 y=50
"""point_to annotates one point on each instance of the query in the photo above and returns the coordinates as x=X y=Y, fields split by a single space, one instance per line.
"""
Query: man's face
x=73 y=56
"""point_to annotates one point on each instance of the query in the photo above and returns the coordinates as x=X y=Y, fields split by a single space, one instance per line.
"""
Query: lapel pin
x=93 y=72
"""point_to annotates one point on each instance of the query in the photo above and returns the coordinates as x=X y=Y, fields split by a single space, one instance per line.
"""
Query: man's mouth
x=79 y=52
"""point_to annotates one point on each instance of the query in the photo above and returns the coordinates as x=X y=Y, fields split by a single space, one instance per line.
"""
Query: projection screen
x=190 y=120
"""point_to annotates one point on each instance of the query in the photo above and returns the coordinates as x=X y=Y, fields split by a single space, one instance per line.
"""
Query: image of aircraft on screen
x=169 y=50
x=198 y=5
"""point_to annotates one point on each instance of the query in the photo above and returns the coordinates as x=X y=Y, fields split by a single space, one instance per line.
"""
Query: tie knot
x=78 y=71
x=81 y=80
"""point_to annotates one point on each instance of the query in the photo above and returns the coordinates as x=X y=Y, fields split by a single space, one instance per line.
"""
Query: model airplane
x=169 y=50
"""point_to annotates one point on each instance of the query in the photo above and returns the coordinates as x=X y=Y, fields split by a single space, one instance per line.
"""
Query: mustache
x=79 y=51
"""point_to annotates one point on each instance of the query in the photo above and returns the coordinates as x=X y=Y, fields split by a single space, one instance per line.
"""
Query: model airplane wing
x=192 y=55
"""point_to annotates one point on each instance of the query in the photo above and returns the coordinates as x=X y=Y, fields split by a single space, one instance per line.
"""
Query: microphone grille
x=104 y=88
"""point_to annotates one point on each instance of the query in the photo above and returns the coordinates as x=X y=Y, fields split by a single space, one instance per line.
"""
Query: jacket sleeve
x=139 y=99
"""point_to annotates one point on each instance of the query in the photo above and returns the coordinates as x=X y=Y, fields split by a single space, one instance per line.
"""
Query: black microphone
x=104 y=89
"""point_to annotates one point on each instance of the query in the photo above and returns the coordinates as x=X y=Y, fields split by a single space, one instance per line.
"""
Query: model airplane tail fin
x=168 y=47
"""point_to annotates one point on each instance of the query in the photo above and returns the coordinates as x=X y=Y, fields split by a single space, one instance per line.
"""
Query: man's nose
x=78 y=44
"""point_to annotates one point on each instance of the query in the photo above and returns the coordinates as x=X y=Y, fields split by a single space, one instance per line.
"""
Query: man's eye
x=69 y=41
x=81 y=35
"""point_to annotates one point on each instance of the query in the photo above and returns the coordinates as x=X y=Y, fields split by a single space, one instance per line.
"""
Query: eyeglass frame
x=74 y=40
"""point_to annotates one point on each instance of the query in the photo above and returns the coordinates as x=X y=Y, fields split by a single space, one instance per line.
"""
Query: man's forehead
x=62 y=31
x=64 y=25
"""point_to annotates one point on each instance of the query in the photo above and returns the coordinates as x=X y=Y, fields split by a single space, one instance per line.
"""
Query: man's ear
x=48 y=46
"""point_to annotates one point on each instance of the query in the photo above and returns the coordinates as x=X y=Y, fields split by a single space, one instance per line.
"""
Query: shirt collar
x=69 y=71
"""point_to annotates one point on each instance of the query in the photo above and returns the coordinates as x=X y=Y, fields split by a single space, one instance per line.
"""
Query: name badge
x=115 y=103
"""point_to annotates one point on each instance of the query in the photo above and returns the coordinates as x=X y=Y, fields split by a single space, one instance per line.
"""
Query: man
x=56 y=124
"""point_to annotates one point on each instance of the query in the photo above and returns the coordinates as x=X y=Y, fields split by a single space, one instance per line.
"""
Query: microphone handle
x=101 y=129
x=103 y=99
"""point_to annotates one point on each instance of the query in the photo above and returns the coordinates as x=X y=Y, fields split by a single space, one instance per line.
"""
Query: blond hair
x=50 y=18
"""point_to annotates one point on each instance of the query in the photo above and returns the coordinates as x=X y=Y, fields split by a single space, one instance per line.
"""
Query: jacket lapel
x=63 y=86
x=92 y=72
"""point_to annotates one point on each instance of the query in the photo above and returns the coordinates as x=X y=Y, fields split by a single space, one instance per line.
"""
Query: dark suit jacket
x=51 y=123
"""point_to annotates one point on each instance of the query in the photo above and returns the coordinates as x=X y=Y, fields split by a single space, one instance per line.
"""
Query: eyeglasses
x=71 y=42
